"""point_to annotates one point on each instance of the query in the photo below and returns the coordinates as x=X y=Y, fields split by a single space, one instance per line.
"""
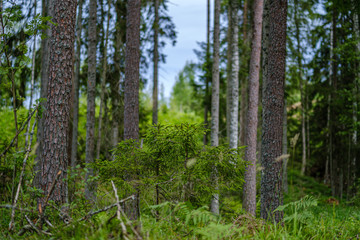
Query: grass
x=308 y=215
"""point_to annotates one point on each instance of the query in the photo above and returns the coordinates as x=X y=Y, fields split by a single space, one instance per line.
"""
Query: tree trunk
x=156 y=62
x=74 y=141
x=131 y=100
x=47 y=7
x=56 y=117
x=103 y=83
x=228 y=70
x=90 y=186
x=32 y=83
x=132 y=61
x=234 y=80
x=300 y=77
x=285 y=151
x=207 y=79
x=215 y=103
x=355 y=107
x=249 y=203
x=273 y=107
x=244 y=64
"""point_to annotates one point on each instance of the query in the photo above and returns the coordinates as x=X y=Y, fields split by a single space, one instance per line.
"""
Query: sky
x=189 y=17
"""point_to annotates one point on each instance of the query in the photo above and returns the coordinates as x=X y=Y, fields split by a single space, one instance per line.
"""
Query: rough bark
x=90 y=116
x=228 y=70
x=103 y=83
x=215 y=102
x=56 y=117
x=47 y=7
x=132 y=61
x=249 y=203
x=234 y=80
x=273 y=107
x=156 y=62
x=74 y=141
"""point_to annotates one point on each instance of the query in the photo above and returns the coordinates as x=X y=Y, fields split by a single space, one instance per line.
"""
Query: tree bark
x=90 y=186
x=207 y=78
x=244 y=64
x=132 y=61
x=234 y=80
x=249 y=203
x=273 y=107
x=103 y=83
x=156 y=62
x=56 y=117
x=74 y=141
x=47 y=8
x=215 y=103
x=228 y=70
x=285 y=151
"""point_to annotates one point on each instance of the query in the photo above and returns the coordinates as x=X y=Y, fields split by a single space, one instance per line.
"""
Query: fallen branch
x=118 y=212
x=35 y=228
x=16 y=208
x=90 y=214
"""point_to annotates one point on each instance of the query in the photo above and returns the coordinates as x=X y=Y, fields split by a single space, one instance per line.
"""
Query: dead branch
x=35 y=228
x=118 y=212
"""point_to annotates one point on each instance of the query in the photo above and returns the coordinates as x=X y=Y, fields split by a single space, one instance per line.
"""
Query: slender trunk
x=74 y=141
x=285 y=151
x=215 y=103
x=103 y=82
x=131 y=98
x=273 y=107
x=249 y=203
x=300 y=77
x=156 y=62
x=47 y=10
x=243 y=104
x=90 y=186
x=56 y=120
x=355 y=107
x=229 y=69
x=234 y=80
x=32 y=82
x=207 y=80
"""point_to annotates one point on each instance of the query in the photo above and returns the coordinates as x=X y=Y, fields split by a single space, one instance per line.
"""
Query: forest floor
x=310 y=213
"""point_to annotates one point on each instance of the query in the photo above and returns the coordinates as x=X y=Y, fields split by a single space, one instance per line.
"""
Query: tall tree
x=249 y=203
x=215 y=101
x=132 y=61
x=103 y=83
x=234 y=79
x=207 y=74
x=47 y=8
x=90 y=116
x=156 y=62
x=273 y=107
x=74 y=141
x=56 y=117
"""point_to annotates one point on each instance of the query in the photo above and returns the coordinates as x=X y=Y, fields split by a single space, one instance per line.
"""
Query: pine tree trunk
x=244 y=65
x=300 y=76
x=215 y=103
x=207 y=80
x=156 y=62
x=56 y=117
x=47 y=6
x=74 y=141
x=249 y=202
x=228 y=70
x=131 y=100
x=273 y=107
x=90 y=187
x=103 y=83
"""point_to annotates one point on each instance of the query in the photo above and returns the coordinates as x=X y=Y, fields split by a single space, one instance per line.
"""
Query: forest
x=257 y=138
